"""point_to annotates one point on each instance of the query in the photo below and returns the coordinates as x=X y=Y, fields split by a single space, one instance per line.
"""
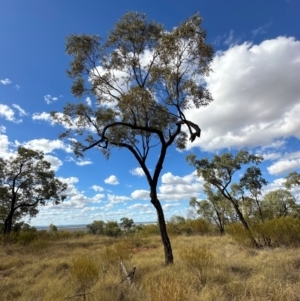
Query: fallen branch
x=130 y=275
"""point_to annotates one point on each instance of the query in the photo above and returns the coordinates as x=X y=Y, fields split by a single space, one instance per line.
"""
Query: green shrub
x=239 y=234
x=26 y=237
x=284 y=231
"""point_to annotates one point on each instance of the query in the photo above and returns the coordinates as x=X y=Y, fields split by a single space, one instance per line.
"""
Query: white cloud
x=82 y=162
x=21 y=111
x=97 y=188
x=43 y=116
x=50 y=99
x=17 y=87
x=88 y=101
x=140 y=194
x=256 y=95
x=284 y=166
x=55 y=162
x=2 y=129
x=145 y=208
x=79 y=162
x=5 y=152
x=138 y=171
x=117 y=198
x=7 y=113
x=45 y=145
x=174 y=188
x=271 y=156
x=5 y=81
x=112 y=180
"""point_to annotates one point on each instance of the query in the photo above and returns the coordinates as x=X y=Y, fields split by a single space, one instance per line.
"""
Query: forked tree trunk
x=163 y=231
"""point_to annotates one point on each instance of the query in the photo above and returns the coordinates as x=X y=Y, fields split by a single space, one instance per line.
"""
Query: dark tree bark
x=163 y=229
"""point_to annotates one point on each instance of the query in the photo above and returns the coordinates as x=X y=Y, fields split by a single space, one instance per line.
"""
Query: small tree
x=280 y=203
x=97 y=227
x=53 y=229
x=126 y=223
x=144 y=78
x=216 y=209
x=112 y=229
x=219 y=173
x=26 y=182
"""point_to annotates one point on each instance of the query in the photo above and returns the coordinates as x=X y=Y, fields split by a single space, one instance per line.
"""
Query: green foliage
x=284 y=231
x=238 y=232
x=143 y=78
x=219 y=173
x=26 y=237
x=112 y=229
x=280 y=203
x=127 y=223
x=149 y=230
x=26 y=182
x=292 y=179
x=52 y=229
x=97 y=227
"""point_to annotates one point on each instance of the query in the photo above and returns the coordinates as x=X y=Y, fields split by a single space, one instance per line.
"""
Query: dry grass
x=206 y=268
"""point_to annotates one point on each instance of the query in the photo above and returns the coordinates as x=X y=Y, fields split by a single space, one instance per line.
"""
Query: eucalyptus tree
x=216 y=209
x=280 y=203
x=219 y=172
x=27 y=181
x=143 y=78
x=292 y=180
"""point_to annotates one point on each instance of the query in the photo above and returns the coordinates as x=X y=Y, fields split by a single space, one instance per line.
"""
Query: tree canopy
x=143 y=78
x=219 y=172
x=26 y=181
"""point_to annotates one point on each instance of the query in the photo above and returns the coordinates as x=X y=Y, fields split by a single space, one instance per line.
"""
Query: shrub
x=26 y=237
x=284 y=231
x=239 y=234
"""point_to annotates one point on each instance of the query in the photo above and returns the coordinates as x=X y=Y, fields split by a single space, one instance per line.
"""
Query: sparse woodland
x=239 y=243
x=79 y=266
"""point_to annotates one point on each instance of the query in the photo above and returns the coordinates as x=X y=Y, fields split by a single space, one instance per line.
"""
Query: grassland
x=205 y=268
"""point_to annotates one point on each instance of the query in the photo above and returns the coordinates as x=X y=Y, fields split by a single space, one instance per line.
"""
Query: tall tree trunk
x=8 y=224
x=163 y=231
x=244 y=222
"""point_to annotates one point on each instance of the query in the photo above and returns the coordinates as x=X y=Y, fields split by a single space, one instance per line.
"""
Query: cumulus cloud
x=5 y=81
x=138 y=171
x=7 y=113
x=140 y=194
x=117 y=198
x=112 y=180
x=46 y=145
x=50 y=99
x=55 y=162
x=174 y=188
x=5 y=151
x=97 y=188
x=288 y=162
x=256 y=95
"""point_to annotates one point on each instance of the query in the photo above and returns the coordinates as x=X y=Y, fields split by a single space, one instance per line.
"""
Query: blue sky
x=254 y=83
